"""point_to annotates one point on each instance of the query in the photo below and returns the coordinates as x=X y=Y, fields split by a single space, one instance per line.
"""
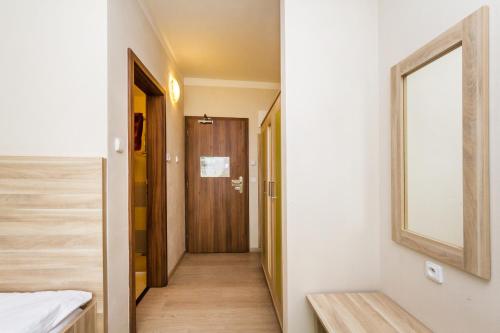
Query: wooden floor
x=211 y=293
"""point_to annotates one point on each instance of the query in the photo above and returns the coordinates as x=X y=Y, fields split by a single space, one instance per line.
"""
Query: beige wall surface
x=129 y=28
x=463 y=303
x=239 y=103
x=53 y=87
x=331 y=140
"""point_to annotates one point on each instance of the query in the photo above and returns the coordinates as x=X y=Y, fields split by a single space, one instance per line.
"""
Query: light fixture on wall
x=175 y=90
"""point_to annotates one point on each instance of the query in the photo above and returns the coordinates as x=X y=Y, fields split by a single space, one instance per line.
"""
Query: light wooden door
x=268 y=214
x=270 y=201
x=217 y=185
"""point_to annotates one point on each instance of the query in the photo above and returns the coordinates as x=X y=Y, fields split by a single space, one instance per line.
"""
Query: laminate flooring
x=211 y=293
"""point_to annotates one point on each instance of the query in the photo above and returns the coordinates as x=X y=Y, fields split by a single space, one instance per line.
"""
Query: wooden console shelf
x=370 y=312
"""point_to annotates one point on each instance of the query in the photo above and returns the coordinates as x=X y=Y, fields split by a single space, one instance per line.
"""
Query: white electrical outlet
x=434 y=272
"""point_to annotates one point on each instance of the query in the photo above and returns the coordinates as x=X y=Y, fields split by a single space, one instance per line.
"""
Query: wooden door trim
x=270 y=109
x=247 y=174
x=140 y=76
x=247 y=184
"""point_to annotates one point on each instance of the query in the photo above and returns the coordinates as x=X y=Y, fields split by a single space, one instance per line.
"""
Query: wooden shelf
x=371 y=312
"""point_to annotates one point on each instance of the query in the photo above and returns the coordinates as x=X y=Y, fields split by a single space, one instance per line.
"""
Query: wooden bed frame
x=85 y=322
x=52 y=234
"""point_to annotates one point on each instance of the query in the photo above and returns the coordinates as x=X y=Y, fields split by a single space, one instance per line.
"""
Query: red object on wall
x=138 y=126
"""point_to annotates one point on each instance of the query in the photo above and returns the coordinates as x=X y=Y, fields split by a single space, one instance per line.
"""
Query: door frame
x=247 y=173
x=157 y=272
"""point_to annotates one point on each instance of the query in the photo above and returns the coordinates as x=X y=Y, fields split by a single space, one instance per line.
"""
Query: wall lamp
x=174 y=89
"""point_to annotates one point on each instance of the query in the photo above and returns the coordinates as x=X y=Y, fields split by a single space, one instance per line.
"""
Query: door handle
x=237 y=184
x=272 y=189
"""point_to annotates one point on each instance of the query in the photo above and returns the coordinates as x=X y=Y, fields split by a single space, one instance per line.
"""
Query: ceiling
x=221 y=39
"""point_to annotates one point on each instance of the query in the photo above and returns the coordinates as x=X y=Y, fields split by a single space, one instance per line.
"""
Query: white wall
x=463 y=303
x=330 y=102
x=240 y=103
x=129 y=28
x=53 y=86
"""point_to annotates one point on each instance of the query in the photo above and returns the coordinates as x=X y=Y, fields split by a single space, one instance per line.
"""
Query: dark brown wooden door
x=216 y=205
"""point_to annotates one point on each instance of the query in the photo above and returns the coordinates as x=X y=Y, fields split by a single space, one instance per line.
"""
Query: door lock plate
x=237 y=184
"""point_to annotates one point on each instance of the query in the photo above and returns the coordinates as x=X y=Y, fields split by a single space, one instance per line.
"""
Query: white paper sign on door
x=212 y=166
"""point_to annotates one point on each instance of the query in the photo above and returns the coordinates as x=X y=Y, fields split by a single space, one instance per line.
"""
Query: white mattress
x=39 y=312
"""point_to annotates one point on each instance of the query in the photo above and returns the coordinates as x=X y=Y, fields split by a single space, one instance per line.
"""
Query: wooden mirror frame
x=472 y=35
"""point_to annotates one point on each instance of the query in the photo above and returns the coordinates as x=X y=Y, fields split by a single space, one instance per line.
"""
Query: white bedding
x=38 y=312
x=62 y=325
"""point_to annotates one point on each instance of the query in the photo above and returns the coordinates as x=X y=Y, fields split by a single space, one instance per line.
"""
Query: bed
x=52 y=245
x=46 y=311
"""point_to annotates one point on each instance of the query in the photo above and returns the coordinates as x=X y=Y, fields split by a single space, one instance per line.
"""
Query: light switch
x=169 y=158
x=434 y=272
x=118 y=145
x=176 y=159
x=253 y=163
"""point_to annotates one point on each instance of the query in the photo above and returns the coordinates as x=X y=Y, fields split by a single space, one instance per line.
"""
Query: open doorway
x=147 y=184
x=140 y=146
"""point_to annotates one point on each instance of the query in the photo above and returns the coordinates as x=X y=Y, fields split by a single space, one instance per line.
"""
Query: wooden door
x=268 y=135
x=156 y=175
x=216 y=203
x=270 y=200
x=276 y=208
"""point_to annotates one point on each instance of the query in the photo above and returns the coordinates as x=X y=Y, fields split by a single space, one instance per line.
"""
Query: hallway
x=211 y=293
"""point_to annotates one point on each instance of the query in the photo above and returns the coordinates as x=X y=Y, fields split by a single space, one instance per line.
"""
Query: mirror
x=439 y=148
x=434 y=149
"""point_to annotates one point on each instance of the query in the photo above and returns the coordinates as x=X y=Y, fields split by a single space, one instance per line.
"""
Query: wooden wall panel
x=52 y=225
